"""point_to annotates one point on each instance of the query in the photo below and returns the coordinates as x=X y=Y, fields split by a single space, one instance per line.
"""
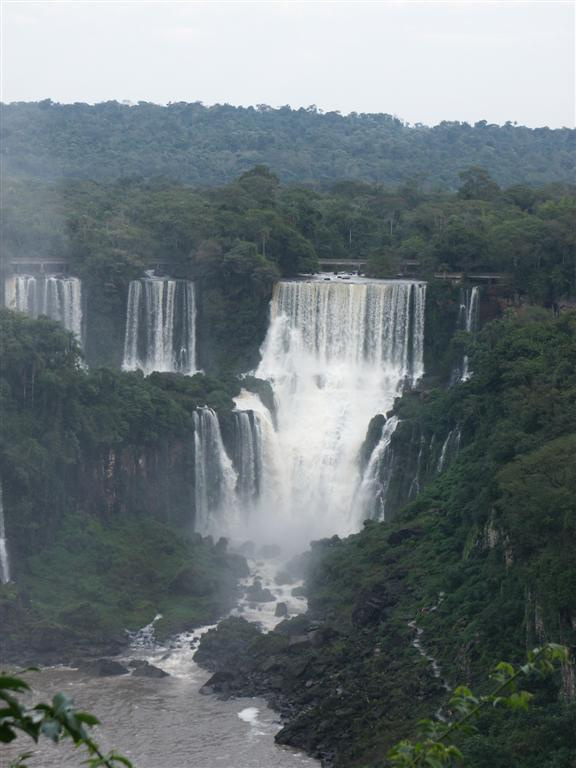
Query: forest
x=236 y=240
x=96 y=462
x=210 y=145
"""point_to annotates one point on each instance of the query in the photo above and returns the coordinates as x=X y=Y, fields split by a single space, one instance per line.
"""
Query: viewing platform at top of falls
x=38 y=266
x=487 y=277
x=354 y=265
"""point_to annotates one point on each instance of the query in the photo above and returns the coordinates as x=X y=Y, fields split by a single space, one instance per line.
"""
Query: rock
x=257 y=594
x=281 y=610
x=299 y=625
x=283 y=577
x=135 y=663
x=298 y=592
x=149 y=670
x=105 y=668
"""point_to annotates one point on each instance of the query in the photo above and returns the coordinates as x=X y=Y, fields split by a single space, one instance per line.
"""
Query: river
x=167 y=722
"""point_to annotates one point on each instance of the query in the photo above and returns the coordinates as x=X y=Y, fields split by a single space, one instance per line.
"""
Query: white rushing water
x=4 y=559
x=469 y=317
x=215 y=479
x=59 y=297
x=336 y=353
x=160 y=326
x=168 y=722
x=371 y=498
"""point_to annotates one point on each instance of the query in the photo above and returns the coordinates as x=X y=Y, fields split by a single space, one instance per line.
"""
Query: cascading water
x=373 y=489
x=468 y=321
x=247 y=456
x=160 y=326
x=336 y=354
x=57 y=296
x=4 y=560
x=257 y=457
x=215 y=479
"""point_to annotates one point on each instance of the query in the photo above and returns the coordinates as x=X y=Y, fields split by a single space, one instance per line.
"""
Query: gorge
x=415 y=430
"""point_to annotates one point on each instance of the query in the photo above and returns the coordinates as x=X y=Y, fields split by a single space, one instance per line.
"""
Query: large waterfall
x=160 y=326
x=58 y=297
x=4 y=561
x=336 y=354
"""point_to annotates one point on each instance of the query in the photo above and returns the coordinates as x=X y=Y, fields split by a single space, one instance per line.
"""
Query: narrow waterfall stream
x=468 y=321
x=4 y=559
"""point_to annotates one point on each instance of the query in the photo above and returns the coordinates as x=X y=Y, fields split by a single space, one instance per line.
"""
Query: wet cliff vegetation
x=97 y=478
x=482 y=561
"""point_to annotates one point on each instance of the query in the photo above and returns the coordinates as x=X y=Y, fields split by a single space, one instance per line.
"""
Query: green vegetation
x=482 y=560
x=236 y=240
x=55 y=721
x=436 y=750
x=211 y=145
x=97 y=481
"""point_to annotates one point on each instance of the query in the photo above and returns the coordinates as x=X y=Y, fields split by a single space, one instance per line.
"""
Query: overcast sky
x=422 y=61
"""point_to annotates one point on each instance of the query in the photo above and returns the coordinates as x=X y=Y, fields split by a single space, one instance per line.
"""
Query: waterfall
x=450 y=448
x=443 y=452
x=416 y=484
x=58 y=297
x=160 y=326
x=256 y=454
x=336 y=354
x=247 y=455
x=371 y=498
x=468 y=321
x=4 y=561
x=215 y=478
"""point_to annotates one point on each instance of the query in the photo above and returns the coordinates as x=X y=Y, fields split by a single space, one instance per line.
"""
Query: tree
x=477 y=184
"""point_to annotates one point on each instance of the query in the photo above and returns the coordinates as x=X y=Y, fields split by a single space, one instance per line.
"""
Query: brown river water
x=166 y=722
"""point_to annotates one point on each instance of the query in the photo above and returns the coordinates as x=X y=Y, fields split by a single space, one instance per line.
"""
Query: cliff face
x=156 y=481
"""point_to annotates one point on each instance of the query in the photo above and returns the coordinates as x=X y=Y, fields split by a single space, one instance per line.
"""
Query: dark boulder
x=149 y=670
x=281 y=610
x=255 y=593
x=105 y=668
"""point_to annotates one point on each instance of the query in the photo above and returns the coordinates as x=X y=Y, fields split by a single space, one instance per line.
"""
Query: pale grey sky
x=423 y=61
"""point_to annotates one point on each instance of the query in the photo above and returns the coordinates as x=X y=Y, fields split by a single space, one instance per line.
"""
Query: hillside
x=203 y=145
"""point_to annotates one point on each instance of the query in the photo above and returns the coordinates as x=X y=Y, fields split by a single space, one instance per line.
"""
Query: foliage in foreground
x=435 y=748
x=56 y=721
